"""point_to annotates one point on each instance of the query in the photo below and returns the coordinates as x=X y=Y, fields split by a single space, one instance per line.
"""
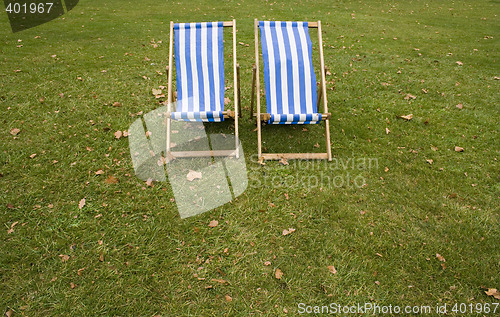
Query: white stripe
x=215 y=56
x=272 y=68
x=204 y=59
x=284 y=76
x=194 y=68
x=295 y=63
x=307 y=69
x=182 y=53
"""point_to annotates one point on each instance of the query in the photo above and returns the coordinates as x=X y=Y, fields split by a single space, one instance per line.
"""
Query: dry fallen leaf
x=493 y=292
x=9 y=313
x=118 y=134
x=12 y=227
x=409 y=96
x=72 y=285
x=267 y=263
x=228 y=298
x=64 y=257
x=440 y=257
x=287 y=232
x=332 y=269
x=221 y=281
x=227 y=101
x=278 y=274
x=430 y=161
x=408 y=117
x=99 y=172
x=261 y=161
x=316 y=145
x=15 y=131
x=117 y=104
x=213 y=224
x=459 y=149
x=149 y=182
x=386 y=169
x=387 y=131
x=192 y=175
x=460 y=106
x=79 y=272
x=156 y=92
x=111 y=180
x=459 y=63
x=81 y=204
x=434 y=148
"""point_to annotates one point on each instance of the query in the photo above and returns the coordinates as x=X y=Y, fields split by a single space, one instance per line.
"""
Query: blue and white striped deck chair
x=199 y=64
x=290 y=81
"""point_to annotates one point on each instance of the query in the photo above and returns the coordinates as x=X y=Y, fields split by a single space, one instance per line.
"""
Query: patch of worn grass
x=380 y=212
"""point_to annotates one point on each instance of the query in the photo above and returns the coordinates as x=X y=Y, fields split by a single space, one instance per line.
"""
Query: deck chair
x=290 y=81
x=199 y=64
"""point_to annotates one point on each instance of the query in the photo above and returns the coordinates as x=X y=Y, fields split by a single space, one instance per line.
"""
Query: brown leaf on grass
x=430 y=161
x=117 y=104
x=111 y=180
x=410 y=96
x=387 y=131
x=33 y=155
x=332 y=269
x=228 y=298
x=101 y=257
x=286 y=196
x=244 y=44
x=221 y=281
x=407 y=117
x=261 y=161
x=278 y=274
x=227 y=101
x=99 y=172
x=149 y=182
x=493 y=292
x=267 y=263
x=316 y=145
x=156 y=92
x=9 y=313
x=386 y=169
x=72 y=285
x=440 y=257
x=118 y=134
x=459 y=149
x=459 y=63
x=460 y=106
x=12 y=227
x=380 y=255
x=15 y=131
x=79 y=272
x=213 y=224
x=81 y=204
x=64 y=257
x=10 y=206
x=288 y=231
x=192 y=175
x=434 y=148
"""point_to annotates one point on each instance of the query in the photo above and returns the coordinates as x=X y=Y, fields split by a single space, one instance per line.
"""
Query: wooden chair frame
x=266 y=116
x=227 y=114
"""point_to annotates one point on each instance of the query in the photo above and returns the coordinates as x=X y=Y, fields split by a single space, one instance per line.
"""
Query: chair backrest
x=288 y=71
x=199 y=63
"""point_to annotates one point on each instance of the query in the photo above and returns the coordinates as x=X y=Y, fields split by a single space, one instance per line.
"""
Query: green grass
x=139 y=258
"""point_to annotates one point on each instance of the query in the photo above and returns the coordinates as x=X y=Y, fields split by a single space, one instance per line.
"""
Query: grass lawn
x=418 y=226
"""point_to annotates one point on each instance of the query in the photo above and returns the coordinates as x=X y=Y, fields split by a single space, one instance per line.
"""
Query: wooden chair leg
x=254 y=71
x=239 y=90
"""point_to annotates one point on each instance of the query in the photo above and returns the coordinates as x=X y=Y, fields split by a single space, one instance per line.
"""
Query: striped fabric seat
x=199 y=63
x=289 y=74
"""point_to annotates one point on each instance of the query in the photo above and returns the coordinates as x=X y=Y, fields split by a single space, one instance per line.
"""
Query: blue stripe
x=221 y=62
x=313 y=75
x=265 y=59
x=199 y=65
x=289 y=68
x=277 y=64
x=178 y=67
x=211 y=75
